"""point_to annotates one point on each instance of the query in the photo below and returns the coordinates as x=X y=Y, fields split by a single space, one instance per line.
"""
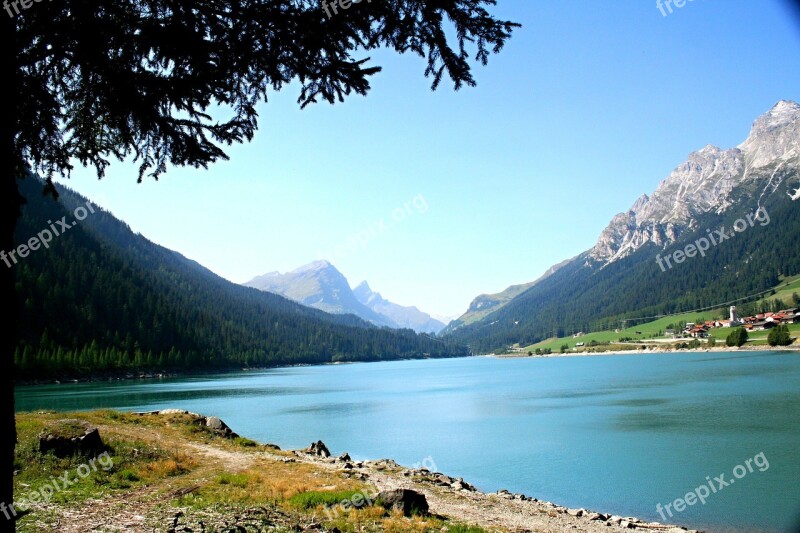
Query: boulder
x=410 y=502
x=71 y=437
x=465 y=485
x=319 y=449
x=443 y=480
x=219 y=427
x=345 y=457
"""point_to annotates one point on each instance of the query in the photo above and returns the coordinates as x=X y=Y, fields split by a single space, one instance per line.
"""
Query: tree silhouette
x=96 y=81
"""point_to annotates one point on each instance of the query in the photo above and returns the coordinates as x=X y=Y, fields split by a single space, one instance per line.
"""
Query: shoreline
x=456 y=498
x=128 y=375
x=163 y=374
x=514 y=511
x=651 y=350
x=245 y=483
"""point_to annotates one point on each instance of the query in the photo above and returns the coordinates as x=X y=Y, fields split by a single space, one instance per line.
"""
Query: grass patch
x=462 y=528
x=237 y=480
x=318 y=498
x=130 y=462
x=244 y=442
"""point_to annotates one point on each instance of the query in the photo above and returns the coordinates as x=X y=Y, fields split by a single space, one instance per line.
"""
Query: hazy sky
x=589 y=105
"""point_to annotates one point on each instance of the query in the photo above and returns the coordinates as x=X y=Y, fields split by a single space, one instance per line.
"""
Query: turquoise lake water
x=616 y=434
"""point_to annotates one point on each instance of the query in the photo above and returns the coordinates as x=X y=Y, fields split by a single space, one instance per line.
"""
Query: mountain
x=321 y=286
x=623 y=276
x=705 y=183
x=100 y=298
x=486 y=304
x=405 y=317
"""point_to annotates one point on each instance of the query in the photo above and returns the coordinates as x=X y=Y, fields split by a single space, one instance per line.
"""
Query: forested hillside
x=585 y=296
x=103 y=298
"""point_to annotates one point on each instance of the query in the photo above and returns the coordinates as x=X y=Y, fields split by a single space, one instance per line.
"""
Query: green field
x=785 y=289
x=755 y=338
x=650 y=330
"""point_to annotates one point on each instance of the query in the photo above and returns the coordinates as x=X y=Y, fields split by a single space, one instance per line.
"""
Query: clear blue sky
x=589 y=105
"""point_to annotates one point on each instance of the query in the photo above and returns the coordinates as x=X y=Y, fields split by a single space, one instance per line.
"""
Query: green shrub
x=779 y=336
x=736 y=337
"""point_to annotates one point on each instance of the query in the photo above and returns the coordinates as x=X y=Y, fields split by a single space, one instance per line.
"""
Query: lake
x=617 y=434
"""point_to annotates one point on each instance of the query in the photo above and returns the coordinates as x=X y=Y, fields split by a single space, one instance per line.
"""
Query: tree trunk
x=9 y=209
x=10 y=202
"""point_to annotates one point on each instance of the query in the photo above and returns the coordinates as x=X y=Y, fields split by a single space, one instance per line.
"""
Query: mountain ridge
x=618 y=277
x=702 y=184
x=404 y=316
x=318 y=285
x=322 y=286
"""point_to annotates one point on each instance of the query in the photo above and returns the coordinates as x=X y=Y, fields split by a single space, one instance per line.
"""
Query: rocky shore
x=456 y=498
x=653 y=349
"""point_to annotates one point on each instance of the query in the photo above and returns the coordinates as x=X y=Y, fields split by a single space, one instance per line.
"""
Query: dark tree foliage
x=138 y=77
x=779 y=336
x=95 y=81
x=737 y=337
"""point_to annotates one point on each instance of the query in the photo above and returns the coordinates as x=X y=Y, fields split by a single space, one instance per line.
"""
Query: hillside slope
x=624 y=276
x=103 y=298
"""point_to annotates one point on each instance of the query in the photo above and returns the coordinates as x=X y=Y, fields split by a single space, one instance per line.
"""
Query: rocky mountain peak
x=314 y=266
x=703 y=183
x=365 y=294
x=775 y=136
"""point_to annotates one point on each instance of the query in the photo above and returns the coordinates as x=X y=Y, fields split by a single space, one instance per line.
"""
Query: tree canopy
x=142 y=78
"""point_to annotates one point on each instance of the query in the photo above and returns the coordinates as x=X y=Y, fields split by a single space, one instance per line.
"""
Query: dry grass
x=164 y=463
x=271 y=481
